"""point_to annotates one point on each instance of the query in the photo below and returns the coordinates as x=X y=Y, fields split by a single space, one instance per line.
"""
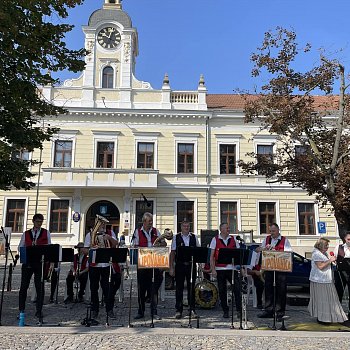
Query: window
x=141 y=208
x=107 y=78
x=63 y=154
x=227 y=159
x=267 y=216
x=105 y=154
x=59 y=215
x=228 y=214
x=264 y=154
x=185 y=210
x=185 y=158
x=15 y=214
x=145 y=155
x=306 y=216
x=22 y=154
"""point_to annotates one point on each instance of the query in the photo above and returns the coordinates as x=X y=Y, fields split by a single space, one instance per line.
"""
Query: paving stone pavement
x=168 y=333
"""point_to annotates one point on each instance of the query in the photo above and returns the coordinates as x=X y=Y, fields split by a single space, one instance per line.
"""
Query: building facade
x=125 y=148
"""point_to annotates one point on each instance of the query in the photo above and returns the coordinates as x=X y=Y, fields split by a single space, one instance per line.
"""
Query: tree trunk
x=343 y=221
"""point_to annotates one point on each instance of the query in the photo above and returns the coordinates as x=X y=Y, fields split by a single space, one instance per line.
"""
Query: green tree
x=312 y=132
x=31 y=46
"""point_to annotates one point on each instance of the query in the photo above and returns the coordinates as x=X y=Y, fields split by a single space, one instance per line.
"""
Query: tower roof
x=110 y=14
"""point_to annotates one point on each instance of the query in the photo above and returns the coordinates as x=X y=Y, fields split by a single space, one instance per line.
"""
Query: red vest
x=280 y=244
x=220 y=244
x=41 y=240
x=143 y=242
x=83 y=262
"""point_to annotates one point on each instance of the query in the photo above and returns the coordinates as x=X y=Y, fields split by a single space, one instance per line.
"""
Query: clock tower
x=112 y=43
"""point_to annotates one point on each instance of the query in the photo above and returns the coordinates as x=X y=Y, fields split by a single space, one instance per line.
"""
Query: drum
x=206 y=294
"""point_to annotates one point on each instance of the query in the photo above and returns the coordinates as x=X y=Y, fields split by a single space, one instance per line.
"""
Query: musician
x=182 y=270
x=224 y=272
x=145 y=237
x=79 y=269
x=274 y=241
x=35 y=236
x=99 y=275
x=342 y=278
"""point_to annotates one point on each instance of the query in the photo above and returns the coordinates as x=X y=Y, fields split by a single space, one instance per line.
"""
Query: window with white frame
x=306 y=218
x=142 y=207
x=264 y=153
x=145 y=155
x=185 y=211
x=185 y=158
x=229 y=215
x=267 y=216
x=59 y=214
x=21 y=154
x=227 y=159
x=63 y=154
x=15 y=214
x=105 y=155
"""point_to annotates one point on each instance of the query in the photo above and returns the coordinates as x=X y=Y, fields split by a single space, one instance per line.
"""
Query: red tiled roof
x=234 y=101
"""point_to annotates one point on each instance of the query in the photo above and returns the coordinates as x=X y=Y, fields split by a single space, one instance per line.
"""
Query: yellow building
x=125 y=148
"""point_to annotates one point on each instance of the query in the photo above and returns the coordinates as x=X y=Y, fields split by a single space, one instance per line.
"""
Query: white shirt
x=346 y=250
x=316 y=274
x=87 y=243
x=225 y=240
x=186 y=239
x=35 y=236
x=136 y=240
x=274 y=241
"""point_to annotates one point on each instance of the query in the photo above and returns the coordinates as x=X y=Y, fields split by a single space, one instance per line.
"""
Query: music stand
x=192 y=255
x=67 y=256
x=40 y=254
x=108 y=255
x=238 y=257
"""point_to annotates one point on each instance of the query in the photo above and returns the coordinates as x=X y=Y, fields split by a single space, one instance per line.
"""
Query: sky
x=186 y=38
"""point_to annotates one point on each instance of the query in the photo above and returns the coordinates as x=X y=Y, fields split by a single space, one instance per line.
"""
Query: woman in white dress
x=324 y=303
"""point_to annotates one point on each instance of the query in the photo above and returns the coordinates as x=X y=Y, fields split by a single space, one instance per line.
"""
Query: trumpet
x=97 y=238
x=160 y=241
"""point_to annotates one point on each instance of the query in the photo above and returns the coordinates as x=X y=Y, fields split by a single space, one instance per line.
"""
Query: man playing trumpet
x=99 y=273
x=146 y=237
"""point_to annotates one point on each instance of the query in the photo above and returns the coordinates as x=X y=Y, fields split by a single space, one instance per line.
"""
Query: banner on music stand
x=149 y=258
x=7 y=232
x=273 y=260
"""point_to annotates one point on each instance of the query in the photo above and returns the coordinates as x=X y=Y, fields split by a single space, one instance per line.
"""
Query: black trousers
x=82 y=284
x=27 y=273
x=100 y=276
x=341 y=280
x=144 y=282
x=224 y=276
x=281 y=292
x=182 y=273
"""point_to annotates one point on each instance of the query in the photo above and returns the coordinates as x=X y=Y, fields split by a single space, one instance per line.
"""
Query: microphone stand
x=7 y=248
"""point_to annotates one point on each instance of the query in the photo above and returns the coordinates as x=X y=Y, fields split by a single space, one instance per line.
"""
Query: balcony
x=99 y=178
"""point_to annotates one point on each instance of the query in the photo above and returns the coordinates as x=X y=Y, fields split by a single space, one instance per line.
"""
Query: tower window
x=107 y=78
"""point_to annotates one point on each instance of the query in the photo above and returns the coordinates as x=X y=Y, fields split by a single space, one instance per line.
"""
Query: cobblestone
x=214 y=332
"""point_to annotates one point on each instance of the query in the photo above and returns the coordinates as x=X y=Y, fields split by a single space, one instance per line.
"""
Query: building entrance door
x=106 y=209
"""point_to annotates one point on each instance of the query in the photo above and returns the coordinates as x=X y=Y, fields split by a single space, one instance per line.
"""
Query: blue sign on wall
x=321 y=225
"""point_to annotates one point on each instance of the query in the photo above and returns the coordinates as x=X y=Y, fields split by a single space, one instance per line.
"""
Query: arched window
x=107 y=78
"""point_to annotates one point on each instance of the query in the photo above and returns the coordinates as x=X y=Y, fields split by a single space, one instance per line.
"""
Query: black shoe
x=279 y=317
x=39 y=315
x=259 y=306
x=178 y=315
x=111 y=315
x=51 y=301
x=81 y=299
x=68 y=300
x=265 y=314
x=139 y=316
x=157 y=317
x=323 y=323
x=193 y=314
x=226 y=314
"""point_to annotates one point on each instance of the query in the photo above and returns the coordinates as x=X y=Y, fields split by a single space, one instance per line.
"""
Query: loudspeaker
x=206 y=237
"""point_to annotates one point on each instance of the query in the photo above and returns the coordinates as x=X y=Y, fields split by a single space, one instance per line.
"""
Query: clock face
x=109 y=37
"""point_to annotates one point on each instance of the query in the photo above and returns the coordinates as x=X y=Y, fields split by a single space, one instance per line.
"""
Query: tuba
x=97 y=238
x=160 y=241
